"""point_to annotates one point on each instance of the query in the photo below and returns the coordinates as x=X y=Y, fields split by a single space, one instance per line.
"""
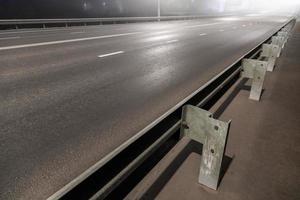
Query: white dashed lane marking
x=110 y=54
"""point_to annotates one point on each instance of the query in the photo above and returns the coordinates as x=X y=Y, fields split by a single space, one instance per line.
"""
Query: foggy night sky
x=19 y=9
x=34 y=9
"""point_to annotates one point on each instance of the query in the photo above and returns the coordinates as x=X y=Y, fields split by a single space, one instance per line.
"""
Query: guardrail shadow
x=175 y=164
x=240 y=86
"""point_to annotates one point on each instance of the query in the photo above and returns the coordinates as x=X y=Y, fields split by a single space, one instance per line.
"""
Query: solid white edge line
x=111 y=54
x=66 y=41
x=10 y=38
x=41 y=30
x=33 y=31
x=202 y=34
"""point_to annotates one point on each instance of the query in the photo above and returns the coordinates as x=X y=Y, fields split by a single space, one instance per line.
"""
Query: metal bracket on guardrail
x=255 y=70
x=199 y=125
x=278 y=40
x=270 y=52
x=284 y=34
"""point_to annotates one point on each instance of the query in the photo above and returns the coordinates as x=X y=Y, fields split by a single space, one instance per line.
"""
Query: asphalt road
x=70 y=96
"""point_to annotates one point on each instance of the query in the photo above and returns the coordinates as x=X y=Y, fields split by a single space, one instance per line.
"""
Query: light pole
x=158 y=10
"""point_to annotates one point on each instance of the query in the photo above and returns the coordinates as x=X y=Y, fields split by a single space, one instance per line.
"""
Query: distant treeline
x=22 y=9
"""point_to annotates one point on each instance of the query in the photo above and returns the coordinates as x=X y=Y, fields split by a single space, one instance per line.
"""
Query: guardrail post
x=271 y=52
x=255 y=70
x=283 y=34
x=199 y=125
x=158 y=10
x=278 y=40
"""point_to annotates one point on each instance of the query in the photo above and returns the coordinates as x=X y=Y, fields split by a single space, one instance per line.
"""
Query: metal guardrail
x=90 y=20
x=169 y=122
x=16 y=23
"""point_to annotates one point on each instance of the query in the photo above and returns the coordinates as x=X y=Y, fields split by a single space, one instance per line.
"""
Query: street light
x=158 y=10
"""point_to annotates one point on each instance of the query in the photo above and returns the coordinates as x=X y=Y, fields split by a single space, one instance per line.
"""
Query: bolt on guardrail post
x=255 y=70
x=199 y=125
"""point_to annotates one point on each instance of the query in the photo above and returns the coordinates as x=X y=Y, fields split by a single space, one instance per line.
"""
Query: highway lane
x=14 y=37
x=44 y=35
x=65 y=106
